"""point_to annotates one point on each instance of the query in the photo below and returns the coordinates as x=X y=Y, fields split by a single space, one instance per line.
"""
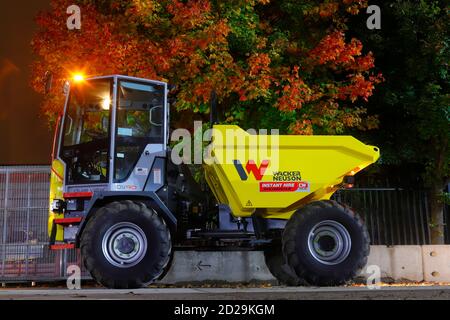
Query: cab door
x=140 y=134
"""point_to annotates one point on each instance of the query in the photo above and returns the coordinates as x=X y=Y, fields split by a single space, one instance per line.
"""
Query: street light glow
x=78 y=77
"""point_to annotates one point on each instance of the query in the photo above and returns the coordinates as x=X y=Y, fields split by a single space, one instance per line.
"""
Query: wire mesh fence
x=393 y=217
x=24 y=249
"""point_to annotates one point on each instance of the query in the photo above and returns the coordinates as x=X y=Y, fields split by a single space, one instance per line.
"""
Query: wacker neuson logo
x=251 y=167
x=286 y=181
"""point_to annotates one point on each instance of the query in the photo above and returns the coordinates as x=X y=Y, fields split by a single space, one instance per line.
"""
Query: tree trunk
x=437 y=215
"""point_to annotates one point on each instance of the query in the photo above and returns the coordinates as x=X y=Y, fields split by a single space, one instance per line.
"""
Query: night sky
x=25 y=137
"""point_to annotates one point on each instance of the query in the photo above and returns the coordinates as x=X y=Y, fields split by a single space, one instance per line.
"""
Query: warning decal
x=294 y=186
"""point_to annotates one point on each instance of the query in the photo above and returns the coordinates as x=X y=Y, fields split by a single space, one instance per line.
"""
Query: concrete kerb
x=436 y=263
x=224 y=266
x=396 y=263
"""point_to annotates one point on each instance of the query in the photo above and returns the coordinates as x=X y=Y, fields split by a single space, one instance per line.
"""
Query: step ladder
x=63 y=222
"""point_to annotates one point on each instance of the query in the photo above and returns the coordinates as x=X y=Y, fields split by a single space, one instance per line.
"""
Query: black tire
x=307 y=244
x=277 y=266
x=109 y=265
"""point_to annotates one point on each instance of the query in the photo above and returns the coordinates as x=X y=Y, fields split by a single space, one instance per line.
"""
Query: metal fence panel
x=393 y=217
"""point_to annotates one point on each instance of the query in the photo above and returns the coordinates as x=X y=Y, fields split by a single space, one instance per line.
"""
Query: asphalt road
x=298 y=293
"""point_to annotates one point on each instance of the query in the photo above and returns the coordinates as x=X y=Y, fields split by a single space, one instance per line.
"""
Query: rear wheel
x=126 y=245
x=326 y=243
x=277 y=265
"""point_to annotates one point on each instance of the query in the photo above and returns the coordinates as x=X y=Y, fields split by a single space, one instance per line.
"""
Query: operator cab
x=114 y=130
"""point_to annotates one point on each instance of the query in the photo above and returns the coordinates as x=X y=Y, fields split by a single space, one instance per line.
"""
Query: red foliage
x=190 y=14
x=359 y=87
x=295 y=92
x=333 y=49
x=186 y=43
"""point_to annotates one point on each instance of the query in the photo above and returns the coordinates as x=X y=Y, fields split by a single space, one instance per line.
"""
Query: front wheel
x=326 y=243
x=126 y=245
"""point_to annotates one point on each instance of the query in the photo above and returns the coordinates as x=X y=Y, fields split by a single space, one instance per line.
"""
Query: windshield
x=86 y=132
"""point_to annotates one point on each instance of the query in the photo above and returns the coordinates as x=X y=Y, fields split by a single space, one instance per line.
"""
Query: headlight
x=57 y=206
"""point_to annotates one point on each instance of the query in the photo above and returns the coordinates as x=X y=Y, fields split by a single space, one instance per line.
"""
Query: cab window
x=140 y=121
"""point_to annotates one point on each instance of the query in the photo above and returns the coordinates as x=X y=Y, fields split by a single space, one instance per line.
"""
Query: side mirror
x=156 y=116
x=66 y=87
x=104 y=123
x=69 y=129
x=48 y=82
x=172 y=87
x=213 y=118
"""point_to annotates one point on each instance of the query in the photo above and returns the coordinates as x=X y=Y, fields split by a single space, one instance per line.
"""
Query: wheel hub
x=124 y=245
x=329 y=242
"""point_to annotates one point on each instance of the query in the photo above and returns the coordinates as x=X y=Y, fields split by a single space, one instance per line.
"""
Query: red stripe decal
x=62 y=246
x=68 y=220
x=56 y=173
x=77 y=195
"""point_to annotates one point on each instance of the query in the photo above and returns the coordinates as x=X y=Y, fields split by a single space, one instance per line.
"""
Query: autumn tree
x=285 y=64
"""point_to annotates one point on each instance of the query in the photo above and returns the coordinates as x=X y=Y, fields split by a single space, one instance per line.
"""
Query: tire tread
x=289 y=245
x=133 y=282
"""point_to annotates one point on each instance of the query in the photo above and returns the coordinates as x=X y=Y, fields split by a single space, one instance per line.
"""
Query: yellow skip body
x=279 y=174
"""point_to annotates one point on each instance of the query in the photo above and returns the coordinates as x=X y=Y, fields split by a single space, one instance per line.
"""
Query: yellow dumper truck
x=119 y=196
